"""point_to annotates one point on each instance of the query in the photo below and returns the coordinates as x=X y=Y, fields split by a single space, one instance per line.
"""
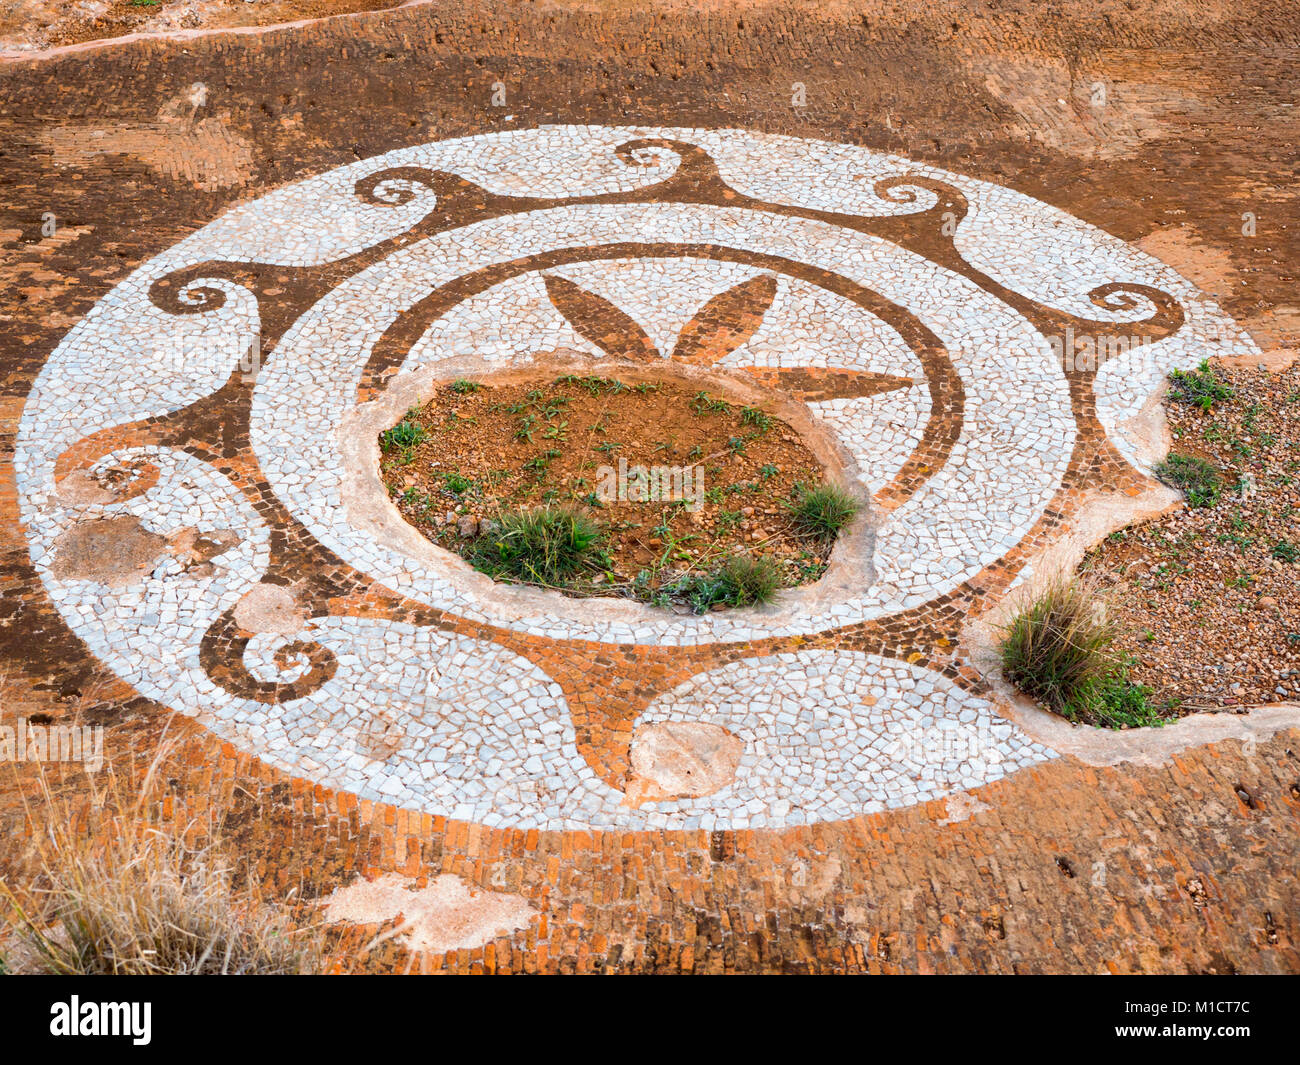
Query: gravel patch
x=1208 y=595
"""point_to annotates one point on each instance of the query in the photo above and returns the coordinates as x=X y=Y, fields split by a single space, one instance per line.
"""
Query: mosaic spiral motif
x=195 y=498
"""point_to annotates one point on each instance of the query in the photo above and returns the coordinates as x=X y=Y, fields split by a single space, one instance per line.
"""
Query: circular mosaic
x=197 y=466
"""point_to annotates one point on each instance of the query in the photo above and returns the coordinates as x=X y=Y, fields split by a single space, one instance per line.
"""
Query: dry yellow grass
x=132 y=897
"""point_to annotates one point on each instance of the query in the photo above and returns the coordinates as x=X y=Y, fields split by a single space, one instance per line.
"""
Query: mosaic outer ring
x=338 y=687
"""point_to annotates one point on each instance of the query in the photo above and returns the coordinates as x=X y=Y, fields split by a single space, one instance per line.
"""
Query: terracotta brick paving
x=1183 y=866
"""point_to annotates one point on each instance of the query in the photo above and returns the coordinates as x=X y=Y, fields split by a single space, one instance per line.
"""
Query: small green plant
x=1118 y=703
x=403 y=436
x=547 y=546
x=541 y=463
x=644 y=589
x=592 y=385
x=760 y=419
x=525 y=430
x=738 y=581
x=703 y=403
x=463 y=387
x=728 y=520
x=1199 y=387
x=1199 y=482
x=822 y=512
x=1286 y=552
x=457 y=484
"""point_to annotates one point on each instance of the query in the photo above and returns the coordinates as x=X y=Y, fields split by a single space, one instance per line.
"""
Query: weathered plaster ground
x=1170 y=852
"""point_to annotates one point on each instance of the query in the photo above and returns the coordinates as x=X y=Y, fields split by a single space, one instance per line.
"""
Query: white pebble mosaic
x=467 y=729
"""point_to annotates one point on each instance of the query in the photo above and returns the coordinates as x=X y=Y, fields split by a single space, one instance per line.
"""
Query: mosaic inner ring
x=1021 y=457
x=251 y=603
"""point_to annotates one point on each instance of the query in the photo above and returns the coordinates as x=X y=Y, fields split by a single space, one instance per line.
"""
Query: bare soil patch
x=33 y=25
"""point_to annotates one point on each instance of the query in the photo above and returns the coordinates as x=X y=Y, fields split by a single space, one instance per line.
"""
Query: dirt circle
x=678 y=474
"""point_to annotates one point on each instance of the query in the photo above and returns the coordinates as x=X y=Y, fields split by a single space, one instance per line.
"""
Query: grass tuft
x=1199 y=482
x=820 y=513
x=1057 y=646
x=403 y=436
x=1057 y=650
x=134 y=899
x=547 y=546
